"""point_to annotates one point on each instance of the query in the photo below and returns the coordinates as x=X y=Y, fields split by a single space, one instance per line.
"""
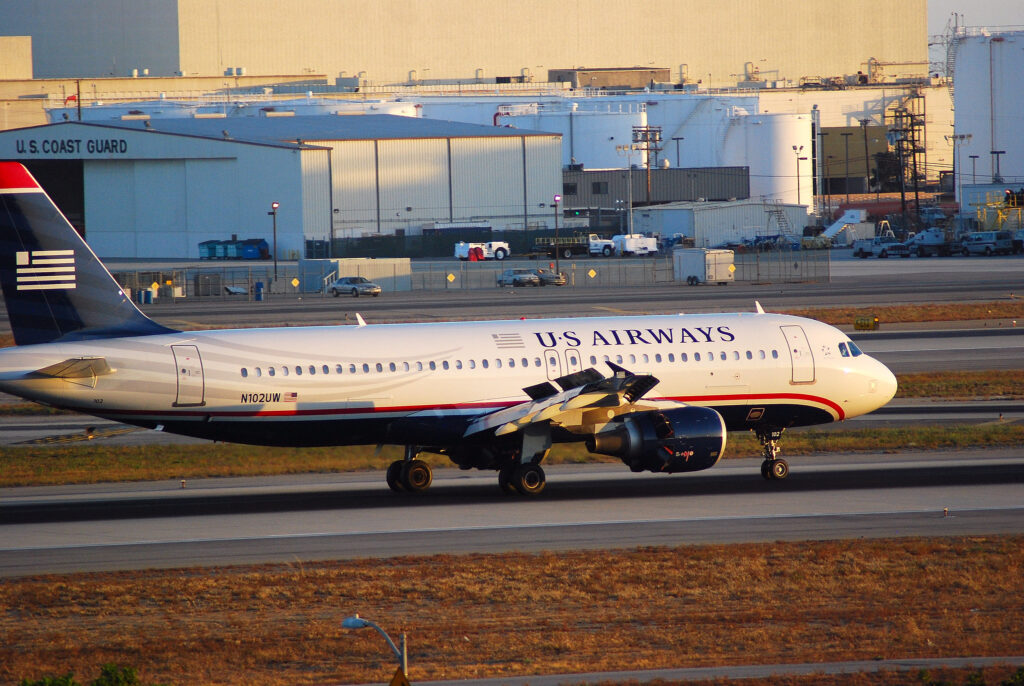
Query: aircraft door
x=573 y=361
x=799 y=354
x=189 y=369
x=552 y=363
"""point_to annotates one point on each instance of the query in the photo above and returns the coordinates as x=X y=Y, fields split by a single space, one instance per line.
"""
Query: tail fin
x=55 y=287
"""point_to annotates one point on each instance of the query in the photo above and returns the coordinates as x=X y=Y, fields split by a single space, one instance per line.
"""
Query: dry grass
x=887 y=314
x=96 y=463
x=1006 y=384
x=489 y=615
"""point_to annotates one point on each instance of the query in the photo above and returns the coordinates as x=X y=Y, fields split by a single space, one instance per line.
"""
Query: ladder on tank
x=776 y=210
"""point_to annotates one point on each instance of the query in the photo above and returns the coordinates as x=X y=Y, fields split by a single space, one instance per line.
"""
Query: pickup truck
x=580 y=244
x=880 y=246
x=492 y=250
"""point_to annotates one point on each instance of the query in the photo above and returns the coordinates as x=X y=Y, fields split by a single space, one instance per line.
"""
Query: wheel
x=416 y=476
x=862 y=255
x=607 y=252
x=529 y=479
x=500 y=254
x=988 y=251
x=376 y=295
x=766 y=470
x=779 y=469
x=966 y=252
x=336 y=292
x=394 y=476
x=505 y=479
x=921 y=252
x=355 y=292
x=884 y=254
x=567 y=253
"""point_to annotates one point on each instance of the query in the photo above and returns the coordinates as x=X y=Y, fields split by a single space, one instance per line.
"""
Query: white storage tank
x=771 y=145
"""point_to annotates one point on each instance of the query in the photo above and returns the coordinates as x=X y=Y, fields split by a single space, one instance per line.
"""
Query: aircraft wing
x=587 y=400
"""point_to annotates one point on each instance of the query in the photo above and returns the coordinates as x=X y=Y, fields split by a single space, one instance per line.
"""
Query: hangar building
x=144 y=188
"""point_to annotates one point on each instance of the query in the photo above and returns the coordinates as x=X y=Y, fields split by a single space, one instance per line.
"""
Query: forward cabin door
x=189 y=367
x=799 y=353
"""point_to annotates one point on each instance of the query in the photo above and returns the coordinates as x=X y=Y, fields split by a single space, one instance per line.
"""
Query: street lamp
x=958 y=140
x=846 y=183
x=797 y=149
x=557 y=199
x=974 y=168
x=628 y=151
x=357 y=622
x=273 y=213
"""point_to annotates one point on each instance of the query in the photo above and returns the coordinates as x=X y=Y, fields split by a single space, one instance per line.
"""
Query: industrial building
x=147 y=188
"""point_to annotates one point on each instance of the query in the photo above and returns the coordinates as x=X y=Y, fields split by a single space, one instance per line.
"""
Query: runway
x=248 y=521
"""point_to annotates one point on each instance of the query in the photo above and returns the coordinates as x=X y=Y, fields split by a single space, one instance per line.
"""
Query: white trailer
x=635 y=244
x=703 y=265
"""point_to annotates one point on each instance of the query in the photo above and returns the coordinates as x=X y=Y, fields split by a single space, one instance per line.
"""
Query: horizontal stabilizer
x=77 y=368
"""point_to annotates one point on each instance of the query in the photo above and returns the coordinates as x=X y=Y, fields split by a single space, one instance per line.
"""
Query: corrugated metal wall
x=601 y=188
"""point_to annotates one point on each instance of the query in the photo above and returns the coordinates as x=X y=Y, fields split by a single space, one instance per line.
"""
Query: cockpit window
x=855 y=350
x=843 y=350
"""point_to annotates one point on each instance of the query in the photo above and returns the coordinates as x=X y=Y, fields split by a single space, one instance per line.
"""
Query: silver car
x=518 y=277
x=354 y=286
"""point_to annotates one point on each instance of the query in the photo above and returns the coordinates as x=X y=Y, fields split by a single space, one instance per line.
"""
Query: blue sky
x=975 y=13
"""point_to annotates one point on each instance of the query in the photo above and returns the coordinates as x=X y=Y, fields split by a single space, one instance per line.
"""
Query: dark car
x=354 y=286
x=550 y=278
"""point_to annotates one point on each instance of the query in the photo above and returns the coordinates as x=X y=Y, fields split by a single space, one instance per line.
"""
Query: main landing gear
x=773 y=466
x=409 y=474
x=524 y=478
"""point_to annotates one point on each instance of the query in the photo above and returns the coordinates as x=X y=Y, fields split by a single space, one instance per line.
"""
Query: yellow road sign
x=399 y=679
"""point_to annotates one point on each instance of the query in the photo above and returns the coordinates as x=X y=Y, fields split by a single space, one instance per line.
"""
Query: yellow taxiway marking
x=105 y=432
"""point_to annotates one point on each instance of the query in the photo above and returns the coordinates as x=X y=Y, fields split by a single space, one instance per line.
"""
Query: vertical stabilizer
x=54 y=285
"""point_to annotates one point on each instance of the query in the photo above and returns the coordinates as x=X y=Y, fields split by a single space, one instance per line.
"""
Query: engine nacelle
x=687 y=439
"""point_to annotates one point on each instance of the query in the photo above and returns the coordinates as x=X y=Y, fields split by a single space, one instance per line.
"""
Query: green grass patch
x=93 y=463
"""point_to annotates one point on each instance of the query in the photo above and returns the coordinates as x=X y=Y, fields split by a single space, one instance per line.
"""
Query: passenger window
x=326 y=369
x=750 y=355
x=298 y=370
x=366 y=368
x=245 y=372
x=536 y=362
x=419 y=366
x=593 y=360
x=657 y=357
x=392 y=367
x=472 y=364
x=775 y=354
x=618 y=359
x=284 y=371
x=259 y=371
x=405 y=366
x=735 y=354
x=760 y=354
x=380 y=367
x=483 y=363
x=722 y=355
x=270 y=371
x=444 y=365
x=671 y=357
x=696 y=357
x=497 y=364
x=511 y=362
x=312 y=369
x=458 y=364
x=683 y=357
x=525 y=362
x=433 y=365
x=711 y=357
x=352 y=369
x=646 y=359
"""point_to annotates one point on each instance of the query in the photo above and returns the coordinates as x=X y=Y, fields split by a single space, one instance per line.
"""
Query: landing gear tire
x=394 y=476
x=529 y=479
x=779 y=469
x=416 y=476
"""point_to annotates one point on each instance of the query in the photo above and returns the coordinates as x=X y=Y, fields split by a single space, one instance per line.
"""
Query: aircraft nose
x=883 y=384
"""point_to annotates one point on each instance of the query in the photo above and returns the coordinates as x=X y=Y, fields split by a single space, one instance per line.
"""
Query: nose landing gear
x=773 y=467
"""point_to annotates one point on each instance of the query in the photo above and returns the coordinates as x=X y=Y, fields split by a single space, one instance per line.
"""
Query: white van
x=988 y=243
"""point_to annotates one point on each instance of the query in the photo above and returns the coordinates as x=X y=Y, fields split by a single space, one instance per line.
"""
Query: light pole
x=974 y=169
x=628 y=151
x=273 y=213
x=557 y=199
x=797 y=149
x=867 y=158
x=678 y=158
x=846 y=183
x=357 y=622
x=958 y=140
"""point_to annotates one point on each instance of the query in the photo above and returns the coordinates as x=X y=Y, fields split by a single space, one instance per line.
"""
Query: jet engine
x=686 y=439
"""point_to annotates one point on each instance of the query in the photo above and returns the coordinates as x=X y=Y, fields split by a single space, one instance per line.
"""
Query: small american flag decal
x=41 y=270
x=289 y=397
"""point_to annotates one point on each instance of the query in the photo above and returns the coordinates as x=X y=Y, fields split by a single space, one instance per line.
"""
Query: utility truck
x=635 y=244
x=492 y=250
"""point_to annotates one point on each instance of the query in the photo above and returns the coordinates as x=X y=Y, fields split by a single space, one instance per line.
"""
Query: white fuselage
x=297 y=378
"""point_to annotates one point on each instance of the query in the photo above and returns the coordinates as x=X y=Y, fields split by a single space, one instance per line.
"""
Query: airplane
x=493 y=395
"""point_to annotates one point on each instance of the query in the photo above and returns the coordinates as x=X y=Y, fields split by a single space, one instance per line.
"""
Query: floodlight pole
x=273 y=213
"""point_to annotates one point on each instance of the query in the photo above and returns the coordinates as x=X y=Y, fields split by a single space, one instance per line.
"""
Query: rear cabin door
x=799 y=354
x=191 y=384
